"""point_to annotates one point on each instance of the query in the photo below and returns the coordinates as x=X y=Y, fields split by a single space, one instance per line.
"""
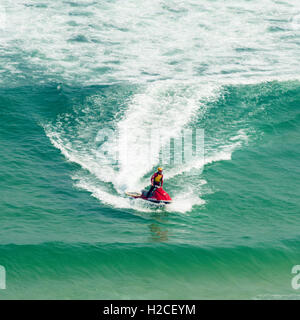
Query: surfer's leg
x=150 y=191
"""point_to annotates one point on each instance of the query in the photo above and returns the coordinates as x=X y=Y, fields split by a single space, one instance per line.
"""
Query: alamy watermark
x=2 y=278
x=296 y=279
x=152 y=147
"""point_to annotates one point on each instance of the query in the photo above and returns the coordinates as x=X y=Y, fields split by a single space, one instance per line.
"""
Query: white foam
x=108 y=198
x=106 y=42
x=185 y=200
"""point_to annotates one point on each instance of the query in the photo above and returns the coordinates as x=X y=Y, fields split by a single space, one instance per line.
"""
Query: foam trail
x=163 y=110
x=108 y=196
x=184 y=201
x=167 y=106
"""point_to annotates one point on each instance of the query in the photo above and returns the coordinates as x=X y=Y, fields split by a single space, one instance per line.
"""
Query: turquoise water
x=73 y=73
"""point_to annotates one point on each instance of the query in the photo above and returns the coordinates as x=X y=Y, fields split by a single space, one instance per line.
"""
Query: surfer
x=157 y=179
x=156 y=193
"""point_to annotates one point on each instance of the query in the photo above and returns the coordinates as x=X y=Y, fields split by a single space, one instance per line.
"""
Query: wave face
x=83 y=80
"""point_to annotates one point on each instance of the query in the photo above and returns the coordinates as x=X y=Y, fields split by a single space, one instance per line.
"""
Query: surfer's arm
x=152 y=179
x=162 y=181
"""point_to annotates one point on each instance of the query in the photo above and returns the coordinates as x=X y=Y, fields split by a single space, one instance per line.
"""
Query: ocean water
x=75 y=73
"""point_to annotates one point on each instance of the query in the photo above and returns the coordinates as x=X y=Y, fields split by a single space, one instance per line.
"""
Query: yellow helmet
x=159 y=169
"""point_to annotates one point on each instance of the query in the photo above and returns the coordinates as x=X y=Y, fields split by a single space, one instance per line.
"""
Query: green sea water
x=82 y=71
